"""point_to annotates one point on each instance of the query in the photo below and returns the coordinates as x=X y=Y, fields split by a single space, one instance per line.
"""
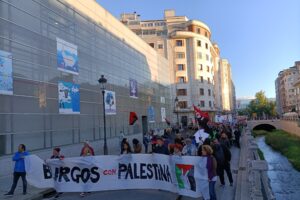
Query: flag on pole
x=199 y=113
x=132 y=118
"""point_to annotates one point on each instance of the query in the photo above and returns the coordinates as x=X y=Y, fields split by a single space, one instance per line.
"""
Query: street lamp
x=102 y=81
x=176 y=109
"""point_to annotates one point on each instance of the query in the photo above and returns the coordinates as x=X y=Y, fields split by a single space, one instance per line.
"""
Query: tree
x=261 y=106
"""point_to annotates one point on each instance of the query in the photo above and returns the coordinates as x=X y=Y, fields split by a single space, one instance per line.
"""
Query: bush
x=287 y=144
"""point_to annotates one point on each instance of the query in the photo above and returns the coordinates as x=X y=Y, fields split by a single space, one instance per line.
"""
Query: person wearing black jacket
x=223 y=157
x=161 y=148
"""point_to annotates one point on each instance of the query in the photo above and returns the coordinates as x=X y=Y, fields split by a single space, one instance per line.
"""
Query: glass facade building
x=30 y=31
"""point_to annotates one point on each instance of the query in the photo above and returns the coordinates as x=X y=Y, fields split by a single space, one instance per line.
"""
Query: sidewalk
x=6 y=175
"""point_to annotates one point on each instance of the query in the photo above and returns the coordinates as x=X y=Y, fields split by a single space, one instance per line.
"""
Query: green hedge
x=287 y=144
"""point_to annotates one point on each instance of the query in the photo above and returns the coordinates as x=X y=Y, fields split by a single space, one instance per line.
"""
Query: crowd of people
x=208 y=140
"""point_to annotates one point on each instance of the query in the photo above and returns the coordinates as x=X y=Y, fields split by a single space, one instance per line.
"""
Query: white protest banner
x=186 y=175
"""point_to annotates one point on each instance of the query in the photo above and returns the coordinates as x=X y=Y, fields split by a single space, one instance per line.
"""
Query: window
x=202 y=104
x=207 y=57
x=198 y=30
x=152 y=45
x=208 y=80
x=182 y=104
x=160 y=46
x=206 y=35
x=201 y=91
x=180 y=67
x=209 y=92
x=181 y=79
x=201 y=79
x=199 y=43
x=181 y=92
x=206 y=45
x=180 y=55
x=199 y=55
x=179 y=43
x=207 y=68
x=200 y=67
x=209 y=103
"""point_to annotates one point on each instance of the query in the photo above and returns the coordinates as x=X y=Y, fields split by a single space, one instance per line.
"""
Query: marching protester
x=87 y=150
x=224 y=140
x=223 y=157
x=146 y=141
x=19 y=170
x=189 y=149
x=207 y=141
x=137 y=147
x=126 y=149
x=237 y=135
x=177 y=150
x=211 y=170
x=56 y=155
x=160 y=147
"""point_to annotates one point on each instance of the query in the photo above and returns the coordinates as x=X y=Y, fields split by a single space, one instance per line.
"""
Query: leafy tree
x=261 y=106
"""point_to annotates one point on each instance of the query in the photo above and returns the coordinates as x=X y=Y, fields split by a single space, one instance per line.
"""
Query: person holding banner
x=56 y=155
x=211 y=170
x=87 y=150
x=126 y=149
x=19 y=170
x=137 y=147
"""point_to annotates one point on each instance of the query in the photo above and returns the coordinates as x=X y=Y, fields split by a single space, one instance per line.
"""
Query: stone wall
x=290 y=126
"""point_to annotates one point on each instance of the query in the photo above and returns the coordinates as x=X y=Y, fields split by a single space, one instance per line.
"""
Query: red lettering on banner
x=110 y=172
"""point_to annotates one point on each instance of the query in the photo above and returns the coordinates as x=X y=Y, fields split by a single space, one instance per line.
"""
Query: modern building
x=193 y=58
x=53 y=53
x=286 y=84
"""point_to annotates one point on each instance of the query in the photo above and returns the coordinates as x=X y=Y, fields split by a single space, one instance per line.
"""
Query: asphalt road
x=124 y=195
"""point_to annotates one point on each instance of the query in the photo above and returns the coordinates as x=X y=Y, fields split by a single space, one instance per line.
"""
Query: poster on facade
x=6 y=79
x=163 y=114
x=133 y=87
x=68 y=98
x=110 y=102
x=151 y=114
x=67 y=58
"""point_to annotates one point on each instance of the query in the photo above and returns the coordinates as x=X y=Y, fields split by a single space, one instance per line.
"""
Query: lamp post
x=102 y=81
x=176 y=109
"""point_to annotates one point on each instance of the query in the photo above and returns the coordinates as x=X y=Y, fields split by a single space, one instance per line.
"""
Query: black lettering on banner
x=122 y=168
x=96 y=173
x=136 y=176
x=47 y=172
x=77 y=176
x=56 y=174
x=163 y=172
x=63 y=173
x=129 y=171
x=142 y=171
x=150 y=172
x=169 y=175
x=155 y=170
x=85 y=175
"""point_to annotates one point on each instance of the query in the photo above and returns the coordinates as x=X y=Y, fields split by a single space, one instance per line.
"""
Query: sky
x=258 y=37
